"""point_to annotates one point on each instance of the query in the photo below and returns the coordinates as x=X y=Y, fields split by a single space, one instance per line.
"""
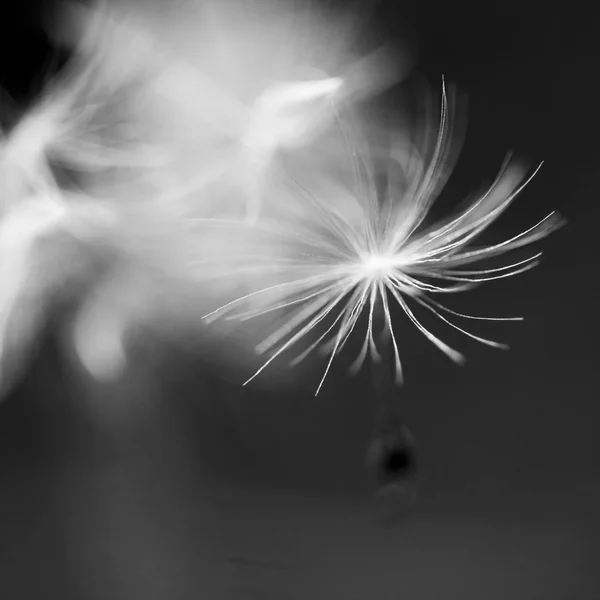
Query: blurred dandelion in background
x=157 y=138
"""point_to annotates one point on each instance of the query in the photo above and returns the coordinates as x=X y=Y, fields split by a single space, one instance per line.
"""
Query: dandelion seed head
x=364 y=257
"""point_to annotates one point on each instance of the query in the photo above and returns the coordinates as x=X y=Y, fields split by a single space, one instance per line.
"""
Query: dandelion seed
x=357 y=255
x=392 y=458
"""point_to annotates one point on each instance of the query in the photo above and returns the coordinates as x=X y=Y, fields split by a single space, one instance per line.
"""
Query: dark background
x=198 y=489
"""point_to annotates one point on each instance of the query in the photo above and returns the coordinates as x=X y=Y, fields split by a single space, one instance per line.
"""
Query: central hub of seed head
x=377 y=265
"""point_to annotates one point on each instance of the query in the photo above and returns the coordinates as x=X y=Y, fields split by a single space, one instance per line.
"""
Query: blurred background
x=192 y=487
